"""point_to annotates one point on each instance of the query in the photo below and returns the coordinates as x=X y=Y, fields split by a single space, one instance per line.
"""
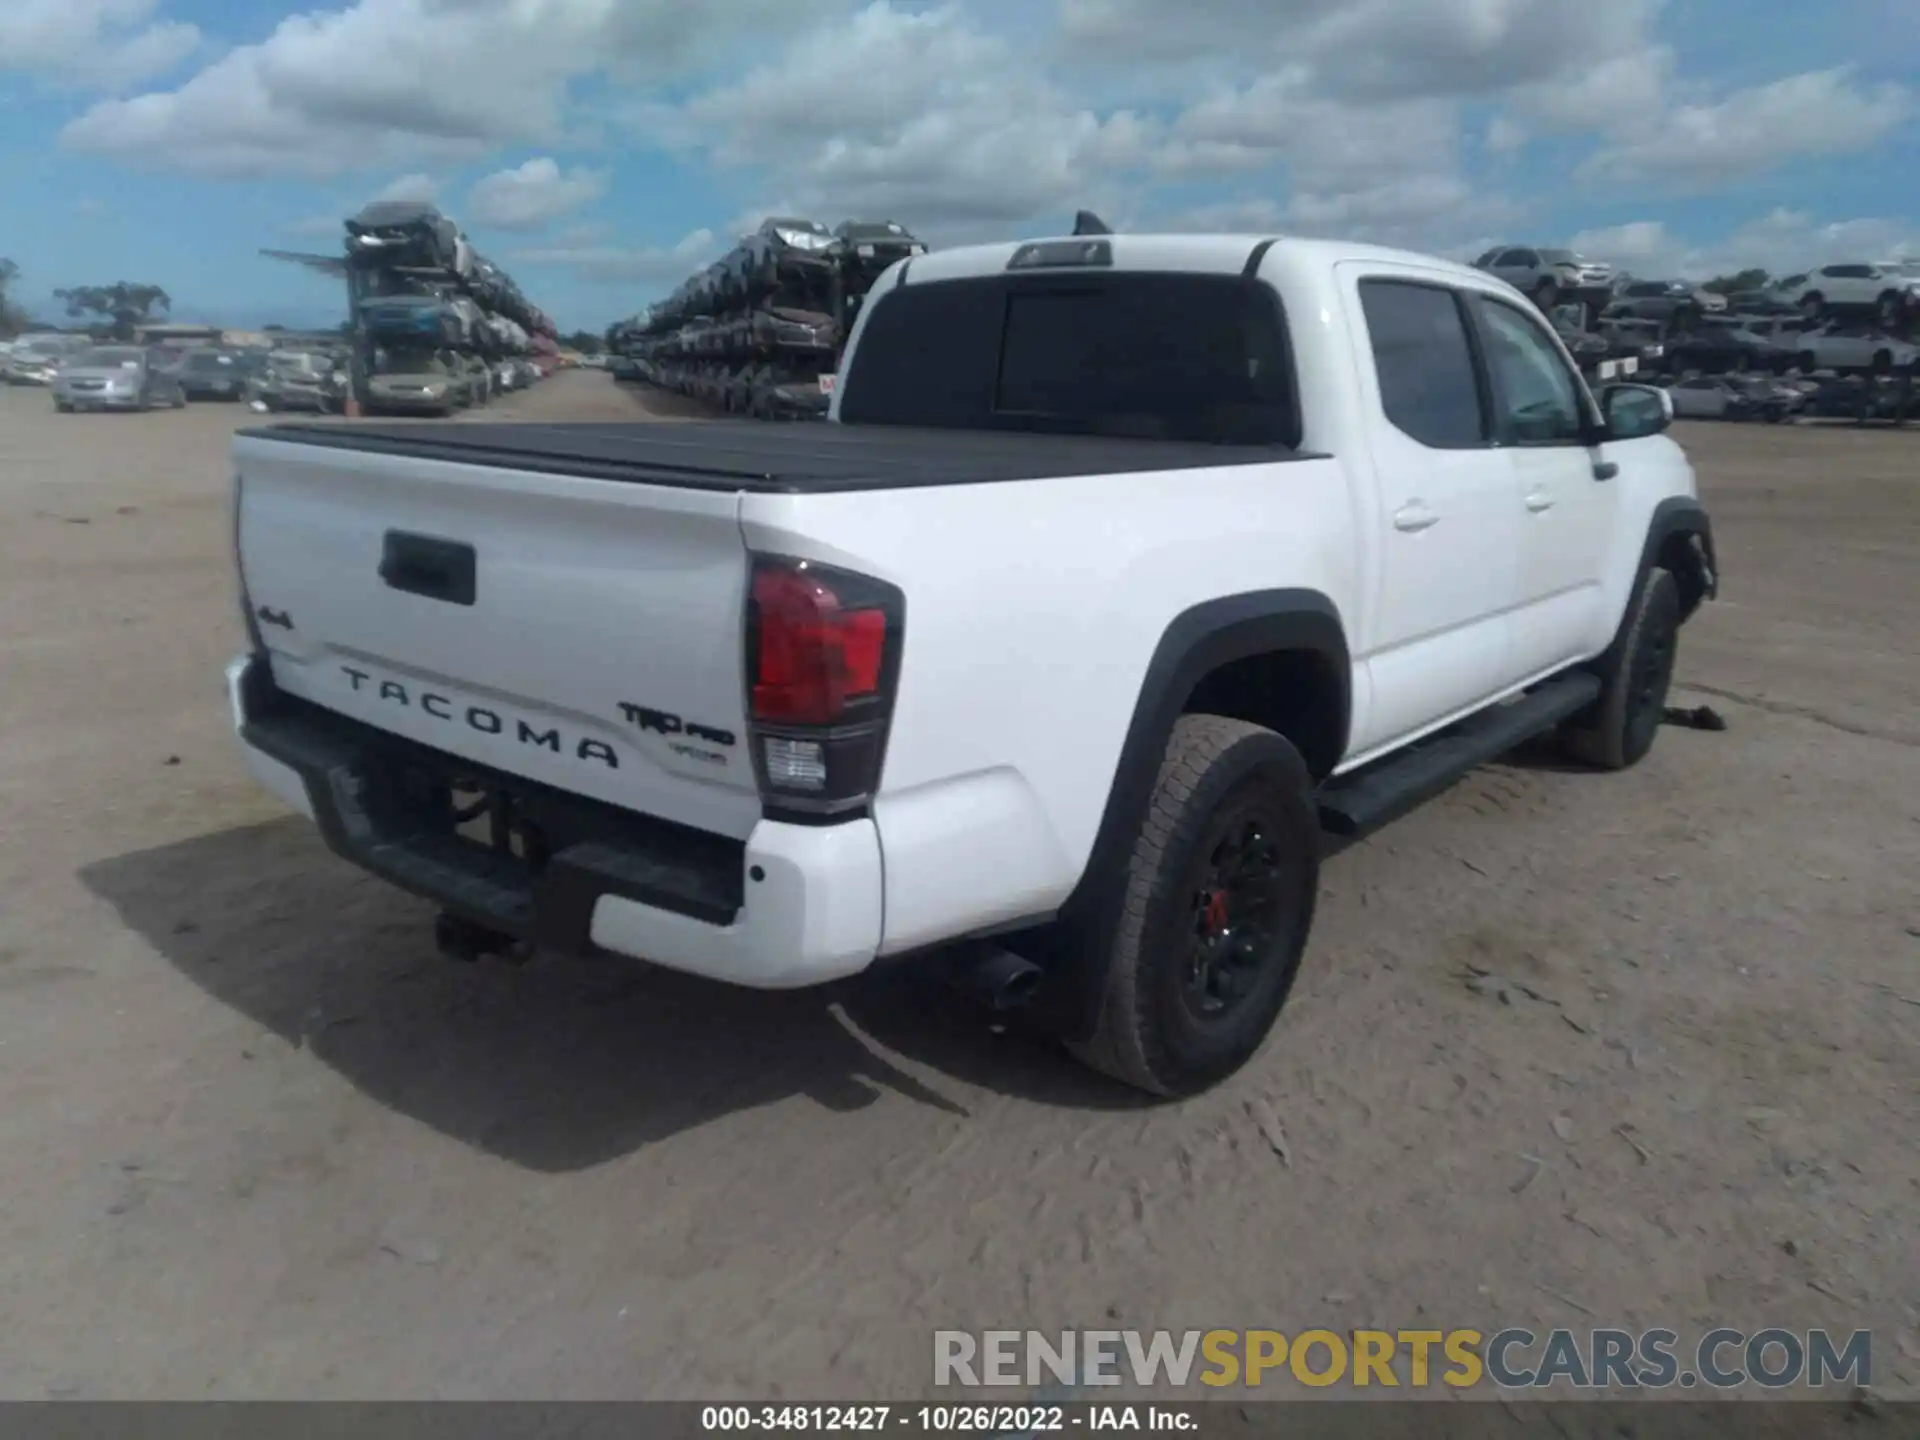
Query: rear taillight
x=823 y=659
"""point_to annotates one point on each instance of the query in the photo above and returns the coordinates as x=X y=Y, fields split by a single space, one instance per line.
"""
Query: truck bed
x=781 y=459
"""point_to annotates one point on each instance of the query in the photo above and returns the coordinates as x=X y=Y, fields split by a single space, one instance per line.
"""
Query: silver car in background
x=1549 y=277
x=1843 y=347
x=36 y=359
x=116 y=377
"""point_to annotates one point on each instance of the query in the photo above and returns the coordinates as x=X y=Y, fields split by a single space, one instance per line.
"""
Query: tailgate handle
x=429 y=566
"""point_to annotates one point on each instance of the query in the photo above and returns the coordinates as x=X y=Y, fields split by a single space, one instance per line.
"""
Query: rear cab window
x=1145 y=354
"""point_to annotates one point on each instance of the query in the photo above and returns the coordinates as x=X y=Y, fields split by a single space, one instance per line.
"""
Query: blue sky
x=603 y=149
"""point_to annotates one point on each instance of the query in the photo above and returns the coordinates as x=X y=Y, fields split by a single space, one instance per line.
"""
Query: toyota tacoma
x=1128 y=570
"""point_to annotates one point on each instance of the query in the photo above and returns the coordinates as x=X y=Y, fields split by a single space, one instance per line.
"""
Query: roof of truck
x=1205 y=254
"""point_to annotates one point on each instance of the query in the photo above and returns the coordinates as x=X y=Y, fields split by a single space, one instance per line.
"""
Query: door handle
x=1414 y=515
x=1539 y=500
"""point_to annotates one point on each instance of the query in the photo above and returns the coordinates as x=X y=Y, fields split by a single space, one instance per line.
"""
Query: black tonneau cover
x=756 y=455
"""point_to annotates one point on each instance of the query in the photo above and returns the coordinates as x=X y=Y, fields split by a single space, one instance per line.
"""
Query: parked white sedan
x=1708 y=397
x=1852 y=347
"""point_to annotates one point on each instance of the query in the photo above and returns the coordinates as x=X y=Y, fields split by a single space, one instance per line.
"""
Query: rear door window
x=1429 y=385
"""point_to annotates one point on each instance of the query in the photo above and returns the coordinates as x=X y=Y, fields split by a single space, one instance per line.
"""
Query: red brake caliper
x=1216 y=911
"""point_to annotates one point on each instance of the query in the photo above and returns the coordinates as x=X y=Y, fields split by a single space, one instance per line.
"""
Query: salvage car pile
x=1837 y=342
x=437 y=326
x=760 y=330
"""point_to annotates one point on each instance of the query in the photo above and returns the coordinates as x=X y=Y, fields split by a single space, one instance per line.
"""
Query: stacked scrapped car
x=419 y=380
x=300 y=381
x=758 y=332
x=437 y=325
x=1719 y=344
x=1641 y=341
x=406 y=233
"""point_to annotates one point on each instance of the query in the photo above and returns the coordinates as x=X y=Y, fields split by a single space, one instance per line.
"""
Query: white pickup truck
x=1126 y=571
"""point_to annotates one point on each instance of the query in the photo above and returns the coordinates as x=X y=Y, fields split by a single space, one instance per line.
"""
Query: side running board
x=1359 y=803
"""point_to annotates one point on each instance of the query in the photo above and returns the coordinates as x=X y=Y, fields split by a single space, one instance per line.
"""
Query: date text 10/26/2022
x=988 y=1420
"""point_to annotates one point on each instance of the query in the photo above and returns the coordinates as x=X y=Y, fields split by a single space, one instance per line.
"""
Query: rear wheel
x=1808 y=362
x=1882 y=361
x=1546 y=294
x=1812 y=306
x=1211 y=917
x=1889 y=307
x=1621 y=728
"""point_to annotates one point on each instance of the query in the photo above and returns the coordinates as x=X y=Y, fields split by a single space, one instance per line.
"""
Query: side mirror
x=1634 y=411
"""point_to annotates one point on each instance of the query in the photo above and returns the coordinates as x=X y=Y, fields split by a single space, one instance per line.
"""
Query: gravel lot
x=260 y=1141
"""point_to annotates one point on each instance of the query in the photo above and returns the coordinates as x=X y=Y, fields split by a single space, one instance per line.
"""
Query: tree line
x=115 y=310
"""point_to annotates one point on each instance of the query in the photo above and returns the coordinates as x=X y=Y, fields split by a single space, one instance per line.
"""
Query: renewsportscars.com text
x=1513 y=1358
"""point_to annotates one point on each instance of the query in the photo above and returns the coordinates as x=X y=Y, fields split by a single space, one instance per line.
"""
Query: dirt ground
x=258 y=1140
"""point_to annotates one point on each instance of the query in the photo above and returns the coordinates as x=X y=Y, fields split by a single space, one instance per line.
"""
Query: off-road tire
x=1620 y=729
x=1215 y=770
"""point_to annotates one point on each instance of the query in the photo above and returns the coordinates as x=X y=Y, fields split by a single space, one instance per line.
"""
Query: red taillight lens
x=815 y=654
x=823 y=660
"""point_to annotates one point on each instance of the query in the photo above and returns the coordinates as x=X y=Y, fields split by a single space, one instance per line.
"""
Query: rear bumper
x=791 y=906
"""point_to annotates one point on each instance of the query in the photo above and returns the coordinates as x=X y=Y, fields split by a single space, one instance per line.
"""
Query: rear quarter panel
x=1032 y=611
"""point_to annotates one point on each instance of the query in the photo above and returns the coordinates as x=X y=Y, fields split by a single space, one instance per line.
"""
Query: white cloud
x=1780 y=242
x=1618 y=92
x=912 y=115
x=385 y=81
x=1434 y=214
x=533 y=195
x=615 y=264
x=416 y=186
x=1820 y=112
x=1400 y=48
x=95 y=44
x=1325 y=144
x=1505 y=135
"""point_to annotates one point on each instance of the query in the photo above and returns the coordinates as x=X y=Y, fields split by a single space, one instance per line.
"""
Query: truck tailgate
x=573 y=631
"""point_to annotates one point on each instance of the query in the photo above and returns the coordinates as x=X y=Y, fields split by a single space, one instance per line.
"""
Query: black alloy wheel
x=1242 y=901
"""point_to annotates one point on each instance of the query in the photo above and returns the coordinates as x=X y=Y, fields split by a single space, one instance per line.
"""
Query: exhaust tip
x=1017 y=989
x=1001 y=978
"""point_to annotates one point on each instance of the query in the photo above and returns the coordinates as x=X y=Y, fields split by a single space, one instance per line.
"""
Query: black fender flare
x=1686 y=517
x=1680 y=516
x=1199 y=640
